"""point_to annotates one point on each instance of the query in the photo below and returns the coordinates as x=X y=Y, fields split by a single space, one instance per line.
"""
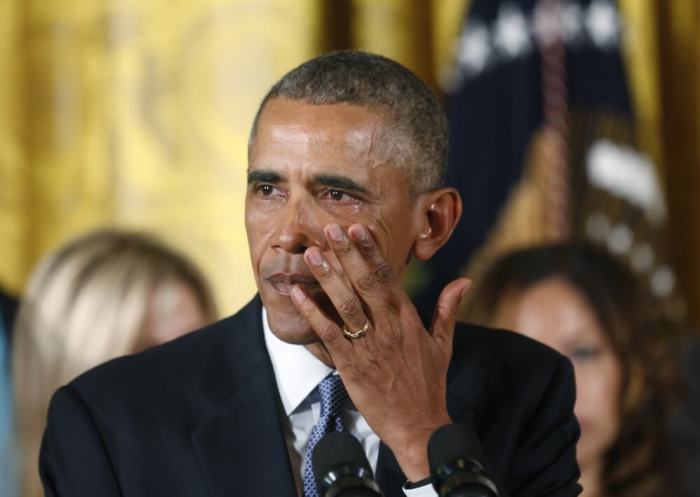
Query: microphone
x=457 y=463
x=341 y=468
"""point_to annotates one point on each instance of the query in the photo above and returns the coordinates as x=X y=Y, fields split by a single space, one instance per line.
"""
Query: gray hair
x=417 y=131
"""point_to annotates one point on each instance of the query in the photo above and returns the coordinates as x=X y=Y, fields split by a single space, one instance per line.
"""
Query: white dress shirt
x=298 y=373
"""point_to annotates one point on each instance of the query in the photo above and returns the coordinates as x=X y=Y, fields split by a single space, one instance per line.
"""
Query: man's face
x=309 y=166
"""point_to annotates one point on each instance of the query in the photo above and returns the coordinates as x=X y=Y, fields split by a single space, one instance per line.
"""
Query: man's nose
x=301 y=228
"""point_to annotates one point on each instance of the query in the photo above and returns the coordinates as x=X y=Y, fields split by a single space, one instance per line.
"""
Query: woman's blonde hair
x=85 y=304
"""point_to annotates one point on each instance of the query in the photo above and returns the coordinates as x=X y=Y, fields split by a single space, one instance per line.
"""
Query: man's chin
x=292 y=329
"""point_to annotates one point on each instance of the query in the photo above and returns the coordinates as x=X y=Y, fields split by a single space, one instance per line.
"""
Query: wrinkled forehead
x=344 y=130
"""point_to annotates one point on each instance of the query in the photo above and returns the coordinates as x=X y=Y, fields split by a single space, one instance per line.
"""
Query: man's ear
x=439 y=212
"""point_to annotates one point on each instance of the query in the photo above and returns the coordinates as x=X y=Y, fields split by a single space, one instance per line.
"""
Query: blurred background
x=570 y=119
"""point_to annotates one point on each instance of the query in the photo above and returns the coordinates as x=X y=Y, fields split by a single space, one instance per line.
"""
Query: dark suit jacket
x=201 y=416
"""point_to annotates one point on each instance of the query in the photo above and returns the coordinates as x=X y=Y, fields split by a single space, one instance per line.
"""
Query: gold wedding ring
x=358 y=333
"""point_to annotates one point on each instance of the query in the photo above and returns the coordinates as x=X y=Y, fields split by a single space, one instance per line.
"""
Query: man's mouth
x=283 y=282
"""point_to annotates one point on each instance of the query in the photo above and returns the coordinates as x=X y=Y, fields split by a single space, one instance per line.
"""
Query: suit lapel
x=240 y=443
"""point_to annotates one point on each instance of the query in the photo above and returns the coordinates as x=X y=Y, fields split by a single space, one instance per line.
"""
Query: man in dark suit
x=346 y=161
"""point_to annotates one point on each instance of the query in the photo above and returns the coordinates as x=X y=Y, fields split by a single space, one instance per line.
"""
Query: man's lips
x=283 y=282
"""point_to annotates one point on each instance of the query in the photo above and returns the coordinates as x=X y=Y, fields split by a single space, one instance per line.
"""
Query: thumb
x=443 y=325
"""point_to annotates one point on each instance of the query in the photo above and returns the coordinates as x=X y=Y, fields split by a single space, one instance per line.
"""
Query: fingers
x=362 y=261
x=445 y=317
x=364 y=289
x=327 y=330
x=345 y=301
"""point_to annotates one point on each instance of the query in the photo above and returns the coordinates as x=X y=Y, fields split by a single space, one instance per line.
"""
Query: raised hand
x=394 y=370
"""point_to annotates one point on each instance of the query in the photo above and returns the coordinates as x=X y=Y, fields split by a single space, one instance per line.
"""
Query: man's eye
x=266 y=190
x=337 y=195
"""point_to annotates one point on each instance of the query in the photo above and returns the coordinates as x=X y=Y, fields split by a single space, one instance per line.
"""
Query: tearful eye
x=338 y=196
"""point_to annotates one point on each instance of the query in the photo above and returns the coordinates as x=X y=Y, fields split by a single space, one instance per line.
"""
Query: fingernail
x=359 y=232
x=315 y=257
x=336 y=233
x=297 y=294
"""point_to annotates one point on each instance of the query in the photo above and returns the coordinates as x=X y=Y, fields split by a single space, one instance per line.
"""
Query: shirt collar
x=297 y=370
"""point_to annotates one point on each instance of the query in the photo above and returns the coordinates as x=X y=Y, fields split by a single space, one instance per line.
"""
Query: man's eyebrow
x=264 y=176
x=340 y=182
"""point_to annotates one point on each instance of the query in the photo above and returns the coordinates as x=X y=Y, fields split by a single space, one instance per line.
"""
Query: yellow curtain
x=136 y=113
x=12 y=185
x=679 y=70
x=420 y=34
x=663 y=56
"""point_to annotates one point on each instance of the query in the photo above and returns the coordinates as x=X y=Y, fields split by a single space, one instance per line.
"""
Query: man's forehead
x=296 y=115
x=362 y=140
x=353 y=129
x=322 y=137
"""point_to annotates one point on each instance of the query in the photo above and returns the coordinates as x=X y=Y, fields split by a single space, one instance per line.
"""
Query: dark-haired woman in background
x=583 y=303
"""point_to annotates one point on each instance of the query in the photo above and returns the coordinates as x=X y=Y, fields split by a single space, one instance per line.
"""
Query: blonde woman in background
x=101 y=296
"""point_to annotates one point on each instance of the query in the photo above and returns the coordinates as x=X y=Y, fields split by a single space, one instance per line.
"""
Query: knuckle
x=384 y=273
x=392 y=338
x=367 y=247
x=344 y=249
x=366 y=282
x=349 y=306
x=393 y=305
x=325 y=273
x=395 y=335
x=329 y=332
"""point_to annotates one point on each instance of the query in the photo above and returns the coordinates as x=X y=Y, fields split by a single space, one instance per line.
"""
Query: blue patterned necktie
x=333 y=399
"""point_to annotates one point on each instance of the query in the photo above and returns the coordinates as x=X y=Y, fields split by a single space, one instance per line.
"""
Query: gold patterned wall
x=135 y=113
x=663 y=65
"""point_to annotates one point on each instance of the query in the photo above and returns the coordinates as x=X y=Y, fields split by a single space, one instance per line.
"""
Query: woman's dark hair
x=636 y=463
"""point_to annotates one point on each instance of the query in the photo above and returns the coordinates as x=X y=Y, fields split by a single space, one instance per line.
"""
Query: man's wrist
x=412 y=456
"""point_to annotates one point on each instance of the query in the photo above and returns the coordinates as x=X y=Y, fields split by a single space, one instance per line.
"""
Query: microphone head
x=339 y=455
x=457 y=460
x=454 y=441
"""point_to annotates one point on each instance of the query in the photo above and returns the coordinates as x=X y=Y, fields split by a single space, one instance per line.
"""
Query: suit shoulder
x=174 y=363
x=503 y=346
x=504 y=362
x=518 y=395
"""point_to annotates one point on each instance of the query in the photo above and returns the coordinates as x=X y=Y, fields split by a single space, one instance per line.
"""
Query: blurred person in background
x=8 y=477
x=583 y=303
x=8 y=310
x=101 y=296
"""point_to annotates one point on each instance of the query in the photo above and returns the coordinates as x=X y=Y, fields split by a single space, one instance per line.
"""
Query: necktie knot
x=333 y=396
x=333 y=400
